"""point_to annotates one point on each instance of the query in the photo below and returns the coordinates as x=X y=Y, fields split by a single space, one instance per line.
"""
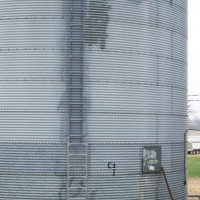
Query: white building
x=193 y=141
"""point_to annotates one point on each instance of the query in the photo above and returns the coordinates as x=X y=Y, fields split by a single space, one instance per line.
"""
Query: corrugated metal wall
x=126 y=61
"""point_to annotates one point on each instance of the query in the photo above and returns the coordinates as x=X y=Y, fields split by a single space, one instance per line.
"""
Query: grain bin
x=93 y=98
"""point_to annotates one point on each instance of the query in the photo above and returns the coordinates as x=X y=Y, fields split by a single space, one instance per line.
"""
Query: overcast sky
x=193 y=46
x=194 y=52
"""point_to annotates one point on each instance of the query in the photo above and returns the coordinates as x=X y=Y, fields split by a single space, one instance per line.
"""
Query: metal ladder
x=76 y=71
x=77 y=147
x=77 y=174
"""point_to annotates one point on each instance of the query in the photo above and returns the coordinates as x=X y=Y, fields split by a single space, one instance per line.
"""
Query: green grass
x=194 y=166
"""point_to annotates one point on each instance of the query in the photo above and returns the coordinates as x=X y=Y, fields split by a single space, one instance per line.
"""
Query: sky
x=194 y=54
x=193 y=47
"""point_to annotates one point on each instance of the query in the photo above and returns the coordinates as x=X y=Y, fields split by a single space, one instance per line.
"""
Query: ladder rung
x=76 y=87
x=76 y=154
x=75 y=188
x=78 y=23
x=76 y=73
x=76 y=176
x=72 y=55
x=76 y=120
x=74 y=143
x=78 y=166
x=76 y=103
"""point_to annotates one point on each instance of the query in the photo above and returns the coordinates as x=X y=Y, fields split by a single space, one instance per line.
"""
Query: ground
x=194 y=175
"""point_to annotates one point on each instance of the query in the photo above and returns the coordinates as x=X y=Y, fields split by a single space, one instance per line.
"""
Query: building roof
x=194 y=133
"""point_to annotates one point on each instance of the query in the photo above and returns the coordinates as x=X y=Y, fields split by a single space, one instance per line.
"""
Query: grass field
x=194 y=166
x=194 y=175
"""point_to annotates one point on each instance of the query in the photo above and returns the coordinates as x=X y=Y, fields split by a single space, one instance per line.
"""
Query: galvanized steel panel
x=111 y=71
